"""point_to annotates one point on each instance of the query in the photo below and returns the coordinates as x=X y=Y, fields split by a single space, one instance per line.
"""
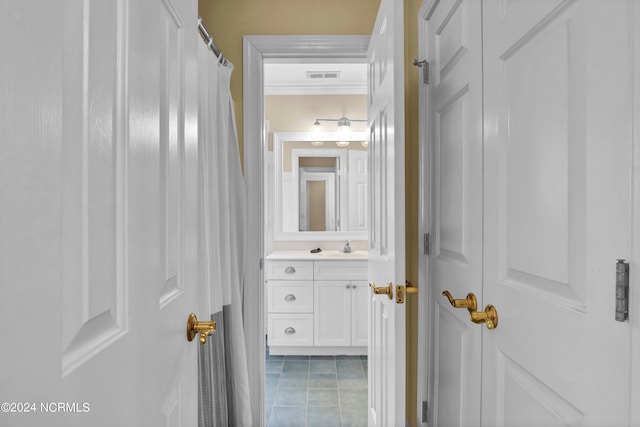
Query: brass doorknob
x=470 y=303
x=203 y=328
x=489 y=316
x=380 y=290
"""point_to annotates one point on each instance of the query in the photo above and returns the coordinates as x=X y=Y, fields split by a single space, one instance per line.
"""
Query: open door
x=386 y=215
x=454 y=52
x=99 y=219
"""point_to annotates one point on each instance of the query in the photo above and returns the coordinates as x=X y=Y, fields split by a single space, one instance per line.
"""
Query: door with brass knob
x=525 y=213
x=455 y=213
x=386 y=217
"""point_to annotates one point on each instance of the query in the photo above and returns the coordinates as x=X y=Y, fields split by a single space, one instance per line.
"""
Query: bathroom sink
x=347 y=255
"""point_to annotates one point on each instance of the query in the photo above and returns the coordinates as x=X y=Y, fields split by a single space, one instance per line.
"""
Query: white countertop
x=330 y=254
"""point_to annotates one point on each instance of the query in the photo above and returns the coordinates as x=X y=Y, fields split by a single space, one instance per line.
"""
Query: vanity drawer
x=283 y=296
x=291 y=329
x=290 y=270
x=340 y=270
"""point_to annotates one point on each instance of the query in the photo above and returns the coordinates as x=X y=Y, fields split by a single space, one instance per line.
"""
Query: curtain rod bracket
x=210 y=43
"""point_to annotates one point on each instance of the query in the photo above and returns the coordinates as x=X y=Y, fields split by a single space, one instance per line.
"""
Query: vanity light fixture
x=344 y=127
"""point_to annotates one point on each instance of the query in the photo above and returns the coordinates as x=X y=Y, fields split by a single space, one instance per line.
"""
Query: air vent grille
x=323 y=74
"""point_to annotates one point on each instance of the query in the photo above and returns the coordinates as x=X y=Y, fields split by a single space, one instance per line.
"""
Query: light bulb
x=316 y=131
x=344 y=127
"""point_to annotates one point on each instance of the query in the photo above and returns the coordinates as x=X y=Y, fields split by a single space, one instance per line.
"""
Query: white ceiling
x=291 y=79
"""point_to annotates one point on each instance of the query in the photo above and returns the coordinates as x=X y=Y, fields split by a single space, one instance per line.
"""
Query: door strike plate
x=402 y=291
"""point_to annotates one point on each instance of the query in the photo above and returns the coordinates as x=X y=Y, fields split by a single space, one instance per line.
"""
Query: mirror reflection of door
x=319 y=209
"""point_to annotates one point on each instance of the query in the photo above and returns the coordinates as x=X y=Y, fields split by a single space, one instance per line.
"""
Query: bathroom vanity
x=317 y=304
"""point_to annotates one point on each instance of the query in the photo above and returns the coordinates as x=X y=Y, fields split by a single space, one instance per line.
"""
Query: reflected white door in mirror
x=320 y=186
x=317 y=303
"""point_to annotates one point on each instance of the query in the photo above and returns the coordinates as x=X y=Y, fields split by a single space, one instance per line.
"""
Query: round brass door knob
x=203 y=328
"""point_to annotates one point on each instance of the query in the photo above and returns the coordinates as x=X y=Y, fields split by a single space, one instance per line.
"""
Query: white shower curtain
x=222 y=362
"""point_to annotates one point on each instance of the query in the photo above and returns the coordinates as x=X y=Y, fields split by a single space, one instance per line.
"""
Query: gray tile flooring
x=316 y=391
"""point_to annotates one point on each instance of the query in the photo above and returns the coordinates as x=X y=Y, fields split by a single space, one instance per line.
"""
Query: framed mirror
x=320 y=186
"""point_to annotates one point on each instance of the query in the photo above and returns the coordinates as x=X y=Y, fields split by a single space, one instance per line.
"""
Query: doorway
x=316 y=357
x=257 y=51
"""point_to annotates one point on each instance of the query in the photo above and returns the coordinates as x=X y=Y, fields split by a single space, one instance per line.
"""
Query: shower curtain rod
x=209 y=40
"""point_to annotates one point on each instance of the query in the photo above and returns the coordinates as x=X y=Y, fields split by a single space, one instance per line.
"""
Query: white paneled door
x=557 y=211
x=455 y=130
x=98 y=218
x=531 y=208
x=386 y=266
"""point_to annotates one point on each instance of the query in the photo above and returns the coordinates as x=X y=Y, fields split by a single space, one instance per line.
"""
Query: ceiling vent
x=323 y=74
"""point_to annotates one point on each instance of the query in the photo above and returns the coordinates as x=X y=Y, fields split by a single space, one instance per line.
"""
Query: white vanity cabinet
x=340 y=303
x=317 y=306
x=340 y=313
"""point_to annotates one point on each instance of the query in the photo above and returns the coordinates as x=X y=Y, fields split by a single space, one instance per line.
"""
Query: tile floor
x=316 y=391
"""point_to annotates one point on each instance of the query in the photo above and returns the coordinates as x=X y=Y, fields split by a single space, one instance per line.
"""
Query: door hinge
x=425 y=412
x=426 y=243
x=261 y=263
x=622 y=291
x=424 y=64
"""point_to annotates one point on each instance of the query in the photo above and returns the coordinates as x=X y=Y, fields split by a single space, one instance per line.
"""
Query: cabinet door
x=332 y=313
x=359 y=312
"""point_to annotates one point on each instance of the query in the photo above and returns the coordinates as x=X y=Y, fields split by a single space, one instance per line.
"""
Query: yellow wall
x=412 y=174
x=229 y=20
x=296 y=113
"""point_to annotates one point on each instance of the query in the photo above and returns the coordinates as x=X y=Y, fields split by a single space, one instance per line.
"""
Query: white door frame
x=634 y=303
x=424 y=355
x=257 y=49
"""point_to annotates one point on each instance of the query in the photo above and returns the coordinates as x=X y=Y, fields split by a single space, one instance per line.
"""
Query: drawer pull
x=289 y=270
x=290 y=297
x=289 y=331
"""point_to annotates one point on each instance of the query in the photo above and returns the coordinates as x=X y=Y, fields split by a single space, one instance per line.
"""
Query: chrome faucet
x=347 y=247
